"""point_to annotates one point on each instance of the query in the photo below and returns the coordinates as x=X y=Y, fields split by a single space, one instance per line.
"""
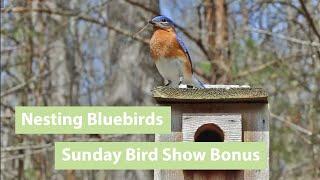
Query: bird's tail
x=197 y=83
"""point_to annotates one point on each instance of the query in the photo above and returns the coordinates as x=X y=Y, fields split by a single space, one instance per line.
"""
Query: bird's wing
x=184 y=47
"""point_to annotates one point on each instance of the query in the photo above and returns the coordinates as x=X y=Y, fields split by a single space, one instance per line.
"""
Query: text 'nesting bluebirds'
x=93 y=120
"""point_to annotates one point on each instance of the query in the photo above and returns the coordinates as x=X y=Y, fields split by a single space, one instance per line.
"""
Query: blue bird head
x=162 y=22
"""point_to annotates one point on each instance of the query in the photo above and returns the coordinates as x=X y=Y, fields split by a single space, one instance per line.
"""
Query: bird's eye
x=163 y=20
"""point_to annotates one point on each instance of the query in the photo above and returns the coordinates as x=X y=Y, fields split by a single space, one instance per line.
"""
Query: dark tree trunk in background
x=130 y=72
x=217 y=38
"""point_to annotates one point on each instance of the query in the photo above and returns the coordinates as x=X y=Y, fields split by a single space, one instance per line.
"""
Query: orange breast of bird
x=163 y=44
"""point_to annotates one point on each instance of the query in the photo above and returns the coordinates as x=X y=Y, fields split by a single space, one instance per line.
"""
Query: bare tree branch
x=294 y=40
x=293 y=126
x=21 y=156
x=256 y=69
x=24 y=84
x=309 y=19
x=74 y=14
x=16 y=148
x=142 y=6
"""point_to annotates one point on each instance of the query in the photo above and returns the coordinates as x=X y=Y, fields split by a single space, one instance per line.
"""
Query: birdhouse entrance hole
x=209 y=133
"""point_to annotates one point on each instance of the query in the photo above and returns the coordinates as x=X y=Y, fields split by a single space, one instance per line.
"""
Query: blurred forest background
x=80 y=52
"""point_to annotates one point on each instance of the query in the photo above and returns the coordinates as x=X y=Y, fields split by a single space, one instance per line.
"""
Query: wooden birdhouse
x=219 y=114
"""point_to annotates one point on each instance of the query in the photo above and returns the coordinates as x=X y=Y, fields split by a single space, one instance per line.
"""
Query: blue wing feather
x=184 y=47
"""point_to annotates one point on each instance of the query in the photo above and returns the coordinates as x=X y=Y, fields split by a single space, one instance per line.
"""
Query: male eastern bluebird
x=170 y=54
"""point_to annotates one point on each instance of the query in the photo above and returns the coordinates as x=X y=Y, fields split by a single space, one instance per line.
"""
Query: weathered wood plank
x=262 y=137
x=190 y=95
x=213 y=175
x=249 y=113
x=168 y=174
x=173 y=137
x=230 y=124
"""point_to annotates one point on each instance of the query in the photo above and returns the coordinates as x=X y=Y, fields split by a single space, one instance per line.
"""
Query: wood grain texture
x=262 y=137
x=254 y=115
x=168 y=174
x=213 y=175
x=173 y=137
x=169 y=94
x=230 y=124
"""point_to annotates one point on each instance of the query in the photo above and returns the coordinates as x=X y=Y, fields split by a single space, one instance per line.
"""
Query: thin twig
x=294 y=40
x=16 y=148
x=256 y=69
x=32 y=79
x=309 y=19
x=293 y=126
x=21 y=156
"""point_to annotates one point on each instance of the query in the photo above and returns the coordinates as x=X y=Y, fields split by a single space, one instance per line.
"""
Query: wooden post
x=227 y=113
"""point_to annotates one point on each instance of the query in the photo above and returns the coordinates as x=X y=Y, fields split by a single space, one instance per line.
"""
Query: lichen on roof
x=219 y=94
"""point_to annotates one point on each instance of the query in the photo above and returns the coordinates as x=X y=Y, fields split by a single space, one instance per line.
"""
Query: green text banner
x=93 y=120
x=160 y=155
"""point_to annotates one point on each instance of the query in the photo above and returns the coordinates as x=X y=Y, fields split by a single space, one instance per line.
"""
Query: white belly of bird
x=170 y=69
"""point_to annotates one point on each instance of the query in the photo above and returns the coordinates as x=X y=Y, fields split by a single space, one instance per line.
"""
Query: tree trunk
x=217 y=35
x=130 y=72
